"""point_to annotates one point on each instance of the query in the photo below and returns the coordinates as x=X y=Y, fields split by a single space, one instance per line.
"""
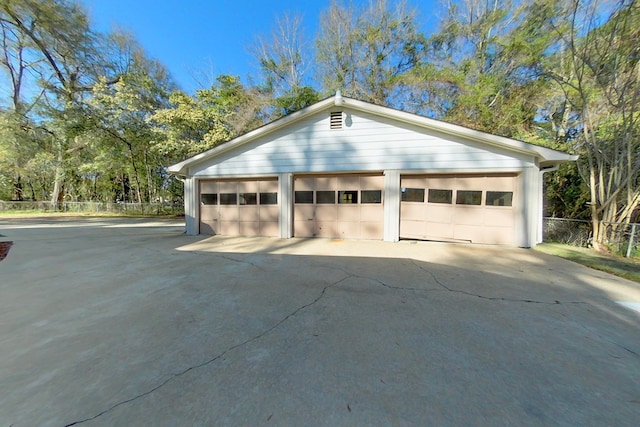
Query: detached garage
x=344 y=168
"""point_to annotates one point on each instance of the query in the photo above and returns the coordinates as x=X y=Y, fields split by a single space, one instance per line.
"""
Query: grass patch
x=24 y=212
x=628 y=268
x=39 y=213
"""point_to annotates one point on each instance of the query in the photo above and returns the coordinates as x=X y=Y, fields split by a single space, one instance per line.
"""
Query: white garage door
x=239 y=207
x=471 y=208
x=339 y=206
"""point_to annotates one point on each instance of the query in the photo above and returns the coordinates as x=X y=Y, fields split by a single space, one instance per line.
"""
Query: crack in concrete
x=216 y=357
x=530 y=301
x=219 y=255
x=348 y=275
x=602 y=337
x=435 y=279
x=395 y=288
x=239 y=261
x=448 y=289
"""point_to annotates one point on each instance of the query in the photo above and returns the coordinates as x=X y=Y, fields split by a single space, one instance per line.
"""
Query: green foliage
x=121 y=127
x=20 y=145
x=81 y=100
x=296 y=99
x=480 y=69
x=566 y=193
x=192 y=124
x=597 y=78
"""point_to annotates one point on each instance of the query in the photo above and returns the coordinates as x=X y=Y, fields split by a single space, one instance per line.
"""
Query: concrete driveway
x=129 y=322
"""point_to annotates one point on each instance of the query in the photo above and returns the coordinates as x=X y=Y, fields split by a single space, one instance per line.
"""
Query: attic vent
x=336 y=120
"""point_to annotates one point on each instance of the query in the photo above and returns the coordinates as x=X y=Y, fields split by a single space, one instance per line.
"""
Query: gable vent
x=336 y=120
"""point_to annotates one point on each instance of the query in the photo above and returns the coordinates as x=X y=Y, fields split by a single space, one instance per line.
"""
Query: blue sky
x=197 y=39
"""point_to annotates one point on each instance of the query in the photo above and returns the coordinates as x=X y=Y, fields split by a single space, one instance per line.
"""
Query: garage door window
x=465 y=197
x=248 y=199
x=303 y=197
x=228 y=199
x=371 y=196
x=440 y=196
x=347 y=197
x=413 y=195
x=209 y=199
x=325 y=197
x=499 y=198
x=268 y=198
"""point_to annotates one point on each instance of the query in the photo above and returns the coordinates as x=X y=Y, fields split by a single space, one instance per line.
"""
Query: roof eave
x=181 y=168
x=545 y=156
x=542 y=153
x=558 y=160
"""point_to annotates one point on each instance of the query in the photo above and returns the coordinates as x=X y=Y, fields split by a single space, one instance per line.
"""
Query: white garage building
x=344 y=168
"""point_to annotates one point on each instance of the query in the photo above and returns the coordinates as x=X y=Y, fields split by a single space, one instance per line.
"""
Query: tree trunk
x=17 y=188
x=58 y=181
x=598 y=237
x=150 y=187
x=136 y=175
x=33 y=191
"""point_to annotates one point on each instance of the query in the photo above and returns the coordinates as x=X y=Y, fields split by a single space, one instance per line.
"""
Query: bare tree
x=283 y=54
x=602 y=85
x=366 y=52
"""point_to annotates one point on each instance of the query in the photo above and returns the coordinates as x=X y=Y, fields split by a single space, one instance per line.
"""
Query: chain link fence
x=176 y=209
x=623 y=239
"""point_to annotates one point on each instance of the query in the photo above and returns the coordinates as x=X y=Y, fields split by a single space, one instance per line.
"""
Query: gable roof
x=545 y=156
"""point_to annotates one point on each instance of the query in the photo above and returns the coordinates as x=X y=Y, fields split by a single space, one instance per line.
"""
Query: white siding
x=366 y=143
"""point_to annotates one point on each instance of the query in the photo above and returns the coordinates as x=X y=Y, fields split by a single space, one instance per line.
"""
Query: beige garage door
x=471 y=208
x=239 y=207
x=342 y=206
